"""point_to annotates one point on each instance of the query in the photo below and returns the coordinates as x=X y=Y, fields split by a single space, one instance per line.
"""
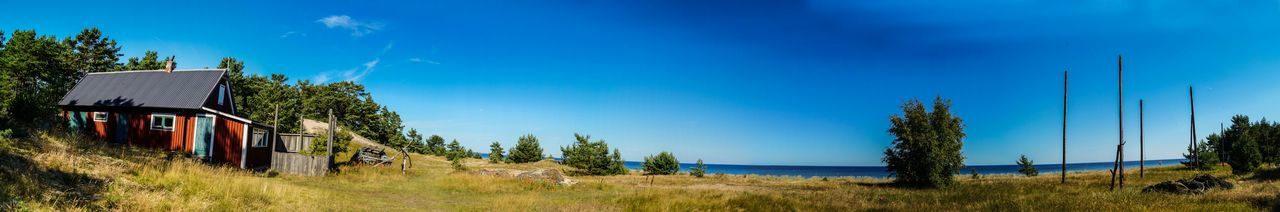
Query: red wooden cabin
x=185 y=110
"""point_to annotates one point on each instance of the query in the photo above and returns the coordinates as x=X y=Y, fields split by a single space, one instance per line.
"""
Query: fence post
x=329 y=150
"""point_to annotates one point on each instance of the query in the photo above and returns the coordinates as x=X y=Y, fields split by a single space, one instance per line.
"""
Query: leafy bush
x=618 y=166
x=495 y=153
x=340 y=145
x=1026 y=167
x=699 y=169
x=435 y=145
x=527 y=150
x=589 y=157
x=457 y=165
x=456 y=151
x=662 y=164
x=1244 y=154
x=926 y=145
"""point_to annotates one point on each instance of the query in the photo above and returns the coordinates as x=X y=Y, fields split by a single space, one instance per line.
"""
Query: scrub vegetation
x=57 y=171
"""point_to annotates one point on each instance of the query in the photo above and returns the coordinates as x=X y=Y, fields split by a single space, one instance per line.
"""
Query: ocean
x=879 y=171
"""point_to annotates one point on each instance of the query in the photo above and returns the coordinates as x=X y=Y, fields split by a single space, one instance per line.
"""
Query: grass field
x=53 y=171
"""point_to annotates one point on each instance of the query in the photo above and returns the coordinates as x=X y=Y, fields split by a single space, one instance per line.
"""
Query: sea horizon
x=881 y=171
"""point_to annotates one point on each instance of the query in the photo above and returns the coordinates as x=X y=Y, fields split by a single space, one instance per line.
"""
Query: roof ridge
x=145 y=71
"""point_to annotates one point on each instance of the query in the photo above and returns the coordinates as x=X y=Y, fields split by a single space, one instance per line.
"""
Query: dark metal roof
x=182 y=89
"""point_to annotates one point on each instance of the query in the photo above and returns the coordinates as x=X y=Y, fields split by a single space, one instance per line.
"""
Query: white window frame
x=265 y=142
x=172 y=119
x=222 y=92
x=103 y=119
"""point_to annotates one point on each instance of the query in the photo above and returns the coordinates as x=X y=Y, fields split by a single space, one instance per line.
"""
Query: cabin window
x=100 y=116
x=261 y=137
x=163 y=122
x=222 y=90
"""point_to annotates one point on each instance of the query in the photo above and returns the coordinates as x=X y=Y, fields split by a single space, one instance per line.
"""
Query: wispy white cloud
x=352 y=74
x=292 y=34
x=358 y=28
x=420 y=60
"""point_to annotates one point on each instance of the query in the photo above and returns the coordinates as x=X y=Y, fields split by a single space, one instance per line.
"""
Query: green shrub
x=591 y=158
x=340 y=145
x=926 y=146
x=662 y=164
x=699 y=169
x=435 y=145
x=619 y=167
x=1245 y=153
x=495 y=153
x=527 y=150
x=457 y=165
x=1026 y=167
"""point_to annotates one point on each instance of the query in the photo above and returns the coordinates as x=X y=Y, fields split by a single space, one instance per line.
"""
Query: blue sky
x=754 y=82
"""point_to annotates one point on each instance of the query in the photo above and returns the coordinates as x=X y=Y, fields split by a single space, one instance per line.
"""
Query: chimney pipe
x=169 y=65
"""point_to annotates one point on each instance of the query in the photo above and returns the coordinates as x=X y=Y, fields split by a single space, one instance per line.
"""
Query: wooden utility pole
x=1195 y=158
x=1142 y=146
x=1120 y=110
x=332 y=128
x=1064 y=126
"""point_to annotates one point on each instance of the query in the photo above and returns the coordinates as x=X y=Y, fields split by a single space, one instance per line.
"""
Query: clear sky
x=742 y=82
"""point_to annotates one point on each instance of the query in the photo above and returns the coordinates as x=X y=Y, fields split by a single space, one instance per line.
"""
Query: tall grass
x=57 y=172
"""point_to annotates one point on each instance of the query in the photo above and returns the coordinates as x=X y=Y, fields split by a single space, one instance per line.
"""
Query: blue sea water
x=879 y=171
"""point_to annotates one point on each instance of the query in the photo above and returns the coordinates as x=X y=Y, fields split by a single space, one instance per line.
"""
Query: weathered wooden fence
x=295 y=163
x=287 y=158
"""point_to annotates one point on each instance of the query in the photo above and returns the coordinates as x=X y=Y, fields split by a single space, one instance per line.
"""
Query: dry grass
x=62 y=172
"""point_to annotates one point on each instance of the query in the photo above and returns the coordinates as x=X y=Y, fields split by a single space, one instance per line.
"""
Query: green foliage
x=662 y=164
x=35 y=71
x=973 y=174
x=926 y=146
x=354 y=107
x=150 y=61
x=527 y=150
x=340 y=145
x=457 y=164
x=415 y=142
x=455 y=150
x=618 y=166
x=496 y=153
x=1026 y=167
x=700 y=169
x=435 y=145
x=93 y=52
x=591 y=158
x=1245 y=152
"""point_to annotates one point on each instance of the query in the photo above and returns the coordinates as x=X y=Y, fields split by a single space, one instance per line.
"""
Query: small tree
x=662 y=164
x=1245 y=154
x=698 y=169
x=495 y=153
x=619 y=166
x=457 y=165
x=435 y=145
x=590 y=157
x=527 y=150
x=926 y=145
x=1026 y=167
x=973 y=174
x=455 y=151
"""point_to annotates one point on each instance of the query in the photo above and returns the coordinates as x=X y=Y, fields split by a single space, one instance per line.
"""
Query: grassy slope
x=54 y=172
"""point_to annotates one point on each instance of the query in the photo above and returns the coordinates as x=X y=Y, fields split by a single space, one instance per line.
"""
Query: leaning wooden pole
x=1064 y=126
x=1195 y=158
x=1142 y=146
